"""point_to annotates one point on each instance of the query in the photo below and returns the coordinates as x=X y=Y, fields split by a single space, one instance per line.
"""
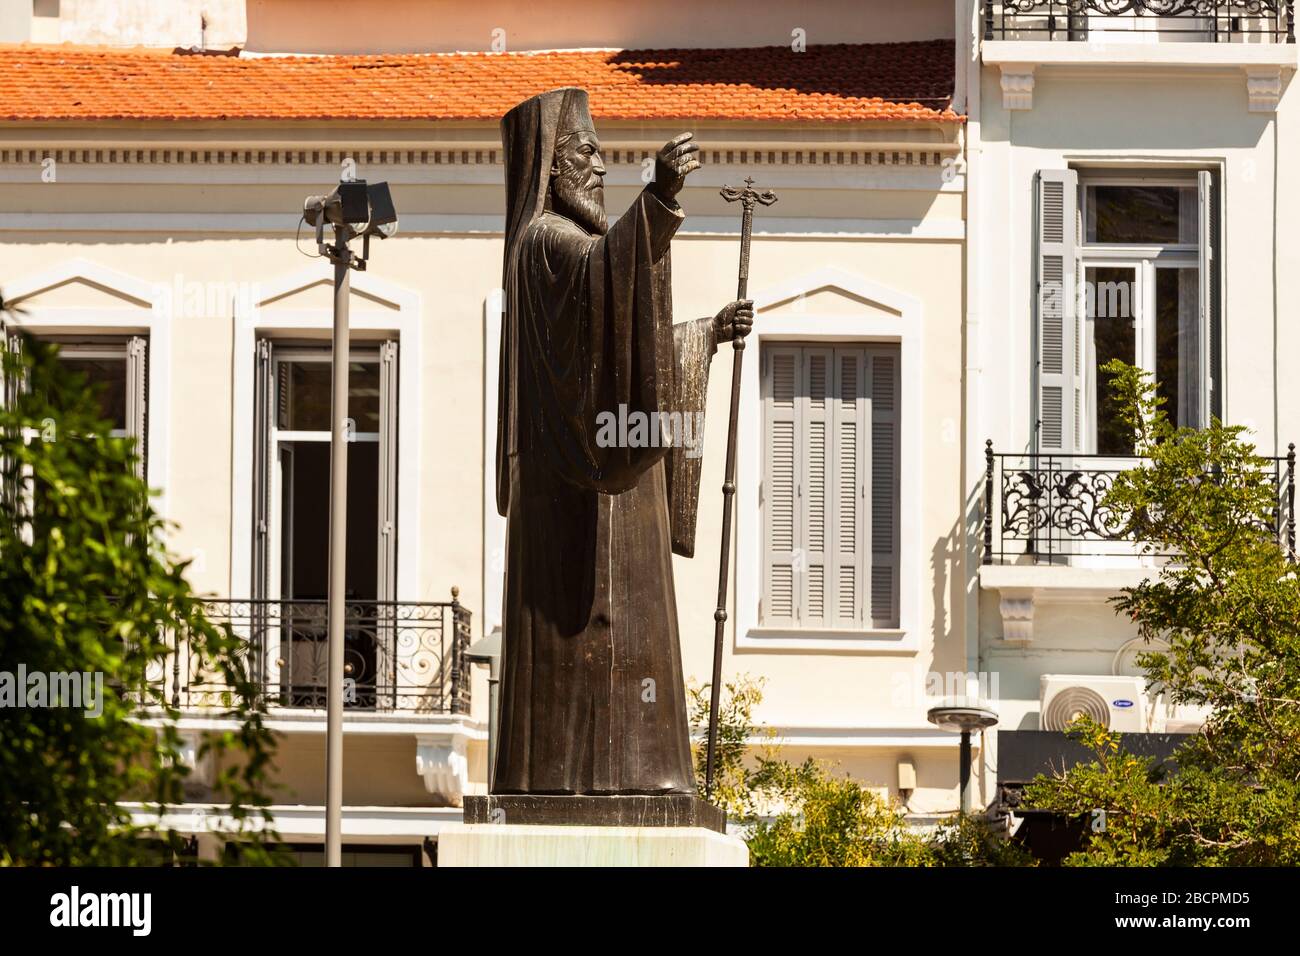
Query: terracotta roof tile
x=834 y=83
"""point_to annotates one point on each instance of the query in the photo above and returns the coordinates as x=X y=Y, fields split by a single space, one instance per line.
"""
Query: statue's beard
x=581 y=201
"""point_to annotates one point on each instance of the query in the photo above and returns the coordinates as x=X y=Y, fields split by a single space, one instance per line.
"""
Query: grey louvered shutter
x=263 y=418
x=1211 y=314
x=850 y=460
x=137 y=399
x=782 y=378
x=388 y=411
x=884 y=391
x=1058 y=395
x=813 y=492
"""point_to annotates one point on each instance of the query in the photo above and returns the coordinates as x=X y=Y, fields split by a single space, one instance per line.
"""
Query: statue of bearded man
x=592 y=700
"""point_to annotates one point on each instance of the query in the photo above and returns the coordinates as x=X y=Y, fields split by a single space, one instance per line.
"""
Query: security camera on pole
x=353 y=209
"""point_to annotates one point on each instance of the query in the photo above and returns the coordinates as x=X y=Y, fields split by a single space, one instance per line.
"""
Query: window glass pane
x=1161 y=215
x=1178 y=346
x=308 y=398
x=107 y=377
x=304 y=549
x=1111 y=298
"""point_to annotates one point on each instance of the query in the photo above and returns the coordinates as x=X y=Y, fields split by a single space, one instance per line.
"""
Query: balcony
x=1051 y=509
x=405 y=675
x=1050 y=537
x=399 y=657
x=1120 y=21
x=1251 y=37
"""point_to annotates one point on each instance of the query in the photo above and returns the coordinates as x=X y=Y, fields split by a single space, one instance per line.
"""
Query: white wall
x=147 y=23
x=408 y=26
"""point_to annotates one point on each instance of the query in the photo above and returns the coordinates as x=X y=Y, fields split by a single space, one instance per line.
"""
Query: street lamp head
x=364 y=209
x=383 y=216
x=962 y=715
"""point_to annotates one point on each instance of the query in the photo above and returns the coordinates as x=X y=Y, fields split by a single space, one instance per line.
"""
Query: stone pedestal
x=662 y=810
x=493 y=844
x=677 y=829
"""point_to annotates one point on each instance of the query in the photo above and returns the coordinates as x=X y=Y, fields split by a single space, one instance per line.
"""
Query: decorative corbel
x=1263 y=88
x=1018 y=86
x=441 y=760
x=188 y=756
x=1017 y=607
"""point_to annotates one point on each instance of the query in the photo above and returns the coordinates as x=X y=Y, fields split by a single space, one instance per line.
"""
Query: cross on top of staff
x=748 y=195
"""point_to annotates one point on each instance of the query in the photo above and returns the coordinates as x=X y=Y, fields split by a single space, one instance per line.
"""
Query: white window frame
x=115 y=349
x=144 y=311
x=400 y=320
x=282 y=436
x=898 y=318
x=1144 y=259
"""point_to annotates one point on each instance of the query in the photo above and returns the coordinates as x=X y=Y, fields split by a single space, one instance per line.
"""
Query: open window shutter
x=849 y=469
x=263 y=418
x=884 y=391
x=813 y=488
x=782 y=375
x=387 y=571
x=1211 y=309
x=1058 y=391
x=137 y=398
x=14 y=384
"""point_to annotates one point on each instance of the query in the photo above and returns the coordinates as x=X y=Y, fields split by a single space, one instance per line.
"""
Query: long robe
x=592 y=698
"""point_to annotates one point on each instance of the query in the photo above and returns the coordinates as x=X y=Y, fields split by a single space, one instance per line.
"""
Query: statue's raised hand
x=734 y=321
x=677 y=160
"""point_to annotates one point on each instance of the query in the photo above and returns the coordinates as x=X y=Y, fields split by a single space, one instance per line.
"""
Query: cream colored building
x=148 y=206
x=159 y=239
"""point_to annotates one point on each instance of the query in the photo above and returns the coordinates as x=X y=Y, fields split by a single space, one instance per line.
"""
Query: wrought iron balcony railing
x=399 y=656
x=1208 y=21
x=1049 y=508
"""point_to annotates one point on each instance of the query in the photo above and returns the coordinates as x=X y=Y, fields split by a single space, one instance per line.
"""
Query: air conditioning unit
x=1117 y=703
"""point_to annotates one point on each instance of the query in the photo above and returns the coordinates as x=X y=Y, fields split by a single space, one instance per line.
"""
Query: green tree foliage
x=830 y=820
x=86 y=585
x=808 y=814
x=1222 y=624
x=1131 y=791
x=974 y=840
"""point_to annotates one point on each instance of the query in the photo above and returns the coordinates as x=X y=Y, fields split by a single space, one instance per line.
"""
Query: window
x=1126 y=269
x=291 y=474
x=291 y=518
x=830 y=486
x=116 y=369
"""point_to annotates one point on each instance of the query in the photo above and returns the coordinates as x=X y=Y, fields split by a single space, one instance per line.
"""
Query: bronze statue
x=592 y=698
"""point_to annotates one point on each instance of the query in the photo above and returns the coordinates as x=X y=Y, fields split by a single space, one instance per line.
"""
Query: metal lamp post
x=964 y=715
x=353 y=209
x=488 y=651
